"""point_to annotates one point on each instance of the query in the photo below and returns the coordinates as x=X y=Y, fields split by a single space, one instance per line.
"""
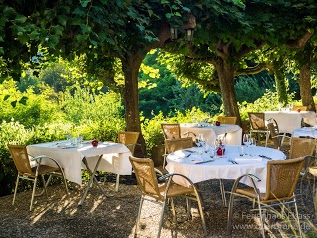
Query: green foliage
x=257 y=85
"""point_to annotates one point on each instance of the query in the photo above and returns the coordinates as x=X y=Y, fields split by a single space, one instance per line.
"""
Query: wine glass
x=246 y=139
x=252 y=141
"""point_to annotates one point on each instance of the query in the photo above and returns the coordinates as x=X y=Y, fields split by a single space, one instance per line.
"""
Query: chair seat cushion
x=175 y=190
x=249 y=192
x=44 y=169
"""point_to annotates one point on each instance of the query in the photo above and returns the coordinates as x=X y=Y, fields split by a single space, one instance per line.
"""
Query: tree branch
x=222 y=50
x=246 y=49
x=200 y=60
x=299 y=43
x=252 y=70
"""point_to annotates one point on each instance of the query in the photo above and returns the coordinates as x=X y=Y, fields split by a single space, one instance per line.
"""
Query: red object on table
x=298 y=110
x=95 y=143
x=217 y=123
x=221 y=150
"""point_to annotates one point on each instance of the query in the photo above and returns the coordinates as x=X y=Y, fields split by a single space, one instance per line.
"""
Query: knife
x=265 y=157
x=207 y=161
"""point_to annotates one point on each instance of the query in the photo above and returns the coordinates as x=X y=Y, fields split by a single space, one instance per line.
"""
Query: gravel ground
x=114 y=214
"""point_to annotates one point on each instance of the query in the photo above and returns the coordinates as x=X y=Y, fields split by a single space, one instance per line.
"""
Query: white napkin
x=248 y=158
x=195 y=159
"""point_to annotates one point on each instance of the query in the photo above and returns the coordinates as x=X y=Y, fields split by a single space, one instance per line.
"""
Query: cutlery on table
x=207 y=161
x=265 y=157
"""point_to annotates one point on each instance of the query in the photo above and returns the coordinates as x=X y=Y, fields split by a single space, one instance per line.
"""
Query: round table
x=305 y=132
x=229 y=166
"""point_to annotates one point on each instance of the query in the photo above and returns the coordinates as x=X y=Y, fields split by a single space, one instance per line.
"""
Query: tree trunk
x=305 y=88
x=130 y=66
x=280 y=82
x=226 y=81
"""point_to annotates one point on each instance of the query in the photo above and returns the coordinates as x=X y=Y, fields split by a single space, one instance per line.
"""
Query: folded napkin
x=248 y=158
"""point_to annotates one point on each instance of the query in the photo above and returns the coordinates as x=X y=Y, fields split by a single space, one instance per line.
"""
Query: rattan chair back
x=21 y=160
x=146 y=177
x=302 y=108
x=178 y=144
x=274 y=132
x=171 y=131
x=227 y=120
x=282 y=176
x=129 y=139
x=301 y=147
x=257 y=121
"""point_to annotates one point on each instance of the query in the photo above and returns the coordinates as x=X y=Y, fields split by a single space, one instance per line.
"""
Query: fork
x=232 y=161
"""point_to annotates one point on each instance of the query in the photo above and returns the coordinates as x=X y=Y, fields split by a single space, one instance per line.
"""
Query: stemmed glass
x=246 y=139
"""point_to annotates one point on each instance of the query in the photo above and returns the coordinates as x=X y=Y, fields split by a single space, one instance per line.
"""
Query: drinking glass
x=246 y=139
x=253 y=141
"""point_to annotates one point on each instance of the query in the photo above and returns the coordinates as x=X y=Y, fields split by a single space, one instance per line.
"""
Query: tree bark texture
x=130 y=66
x=280 y=82
x=226 y=81
x=305 y=88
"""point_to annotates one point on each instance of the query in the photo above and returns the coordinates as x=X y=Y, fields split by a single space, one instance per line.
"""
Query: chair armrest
x=252 y=177
x=39 y=158
x=189 y=132
x=160 y=173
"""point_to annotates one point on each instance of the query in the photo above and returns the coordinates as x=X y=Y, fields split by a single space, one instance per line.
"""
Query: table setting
x=203 y=163
x=212 y=132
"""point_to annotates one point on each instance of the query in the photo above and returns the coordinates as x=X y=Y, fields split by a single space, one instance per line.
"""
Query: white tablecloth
x=289 y=121
x=221 y=168
x=211 y=132
x=115 y=157
x=305 y=131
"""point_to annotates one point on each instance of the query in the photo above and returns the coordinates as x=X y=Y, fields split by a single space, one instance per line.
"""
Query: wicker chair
x=258 y=126
x=227 y=120
x=302 y=108
x=282 y=176
x=277 y=137
x=129 y=139
x=171 y=131
x=25 y=171
x=178 y=144
x=301 y=147
x=160 y=193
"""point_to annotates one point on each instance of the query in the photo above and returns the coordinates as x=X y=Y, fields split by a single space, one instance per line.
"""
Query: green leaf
x=1 y=51
x=3 y=21
x=20 y=19
x=186 y=9
x=84 y=3
x=1 y=39
x=168 y=15
x=23 y=38
x=178 y=14
x=62 y=19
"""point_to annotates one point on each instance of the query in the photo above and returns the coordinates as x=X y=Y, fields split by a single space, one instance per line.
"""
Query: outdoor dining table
x=107 y=156
x=199 y=166
x=211 y=132
x=305 y=132
x=289 y=121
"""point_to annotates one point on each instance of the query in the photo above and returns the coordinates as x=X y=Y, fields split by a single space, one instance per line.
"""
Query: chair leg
x=223 y=193
x=297 y=218
x=161 y=219
x=230 y=212
x=15 y=190
x=267 y=135
x=199 y=201
x=261 y=217
x=189 y=207
x=44 y=185
x=173 y=211
x=139 y=216
x=33 y=193
x=117 y=183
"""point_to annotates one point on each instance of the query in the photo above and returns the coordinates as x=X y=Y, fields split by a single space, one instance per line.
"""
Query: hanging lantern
x=189 y=34
x=173 y=33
